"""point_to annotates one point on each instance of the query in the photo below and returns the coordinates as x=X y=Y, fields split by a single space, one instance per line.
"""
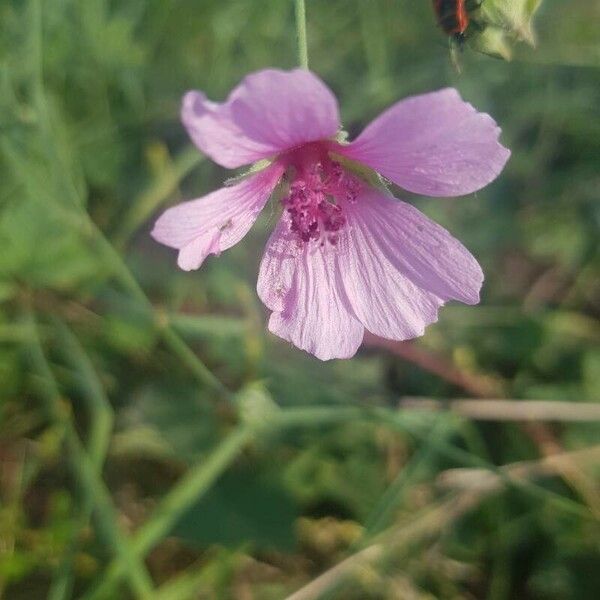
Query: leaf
x=242 y=507
x=166 y=421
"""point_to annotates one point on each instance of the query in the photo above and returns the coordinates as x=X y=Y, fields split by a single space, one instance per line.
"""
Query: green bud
x=513 y=16
x=256 y=406
x=499 y=23
x=492 y=41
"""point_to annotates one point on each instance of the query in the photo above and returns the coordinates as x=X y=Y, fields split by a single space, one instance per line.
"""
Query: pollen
x=316 y=199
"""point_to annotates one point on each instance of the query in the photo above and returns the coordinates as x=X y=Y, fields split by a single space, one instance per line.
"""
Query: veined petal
x=212 y=129
x=422 y=252
x=217 y=221
x=267 y=113
x=386 y=301
x=434 y=144
x=311 y=310
x=277 y=267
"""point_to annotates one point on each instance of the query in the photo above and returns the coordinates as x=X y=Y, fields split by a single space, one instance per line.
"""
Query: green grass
x=155 y=440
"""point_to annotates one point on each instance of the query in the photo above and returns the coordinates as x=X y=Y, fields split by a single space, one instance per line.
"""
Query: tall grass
x=157 y=442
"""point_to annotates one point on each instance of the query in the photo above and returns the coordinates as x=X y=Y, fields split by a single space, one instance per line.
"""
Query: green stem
x=417 y=426
x=77 y=217
x=81 y=221
x=190 y=584
x=160 y=190
x=301 y=33
x=100 y=419
x=188 y=491
x=177 y=345
x=100 y=413
x=465 y=458
x=85 y=470
x=200 y=478
x=170 y=337
x=36 y=52
x=412 y=473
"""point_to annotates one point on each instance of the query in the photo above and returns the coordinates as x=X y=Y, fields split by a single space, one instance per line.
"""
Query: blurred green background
x=157 y=442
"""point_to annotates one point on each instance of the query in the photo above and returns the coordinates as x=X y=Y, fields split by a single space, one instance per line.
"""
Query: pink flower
x=345 y=256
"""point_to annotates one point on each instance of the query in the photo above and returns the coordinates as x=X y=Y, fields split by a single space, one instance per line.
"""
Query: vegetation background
x=156 y=442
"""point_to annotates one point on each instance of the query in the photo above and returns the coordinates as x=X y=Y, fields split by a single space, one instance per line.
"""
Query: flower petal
x=422 y=251
x=215 y=222
x=302 y=285
x=383 y=298
x=435 y=144
x=211 y=127
x=277 y=267
x=267 y=113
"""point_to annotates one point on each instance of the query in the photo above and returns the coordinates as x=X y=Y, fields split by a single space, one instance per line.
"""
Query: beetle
x=453 y=17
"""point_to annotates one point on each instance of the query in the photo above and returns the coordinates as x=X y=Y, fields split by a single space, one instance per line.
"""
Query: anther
x=315 y=203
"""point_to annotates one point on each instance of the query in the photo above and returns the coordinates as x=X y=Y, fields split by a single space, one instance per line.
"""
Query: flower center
x=316 y=199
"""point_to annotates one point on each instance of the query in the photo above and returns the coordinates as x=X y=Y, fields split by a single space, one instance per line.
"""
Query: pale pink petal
x=267 y=113
x=215 y=222
x=435 y=144
x=423 y=253
x=384 y=299
x=277 y=267
x=311 y=309
x=211 y=127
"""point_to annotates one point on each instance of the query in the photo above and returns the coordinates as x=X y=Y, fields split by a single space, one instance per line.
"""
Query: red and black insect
x=453 y=16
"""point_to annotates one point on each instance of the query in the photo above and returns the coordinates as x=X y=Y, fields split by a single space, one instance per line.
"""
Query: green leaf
x=241 y=507
x=166 y=421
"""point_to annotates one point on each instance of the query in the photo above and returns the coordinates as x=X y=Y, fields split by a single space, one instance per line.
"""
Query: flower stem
x=301 y=33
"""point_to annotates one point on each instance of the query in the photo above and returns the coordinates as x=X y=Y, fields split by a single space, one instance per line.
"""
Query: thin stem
x=188 y=491
x=413 y=472
x=160 y=190
x=408 y=422
x=466 y=458
x=489 y=409
x=189 y=358
x=192 y=583
x=81 y=221
x=200 y=478
x=301 y=33
x=100 y=419
x=84 y=469
x=427 y=523
x=170 y=337
x=36 y=51
x=100 y=413
x=432 y=520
